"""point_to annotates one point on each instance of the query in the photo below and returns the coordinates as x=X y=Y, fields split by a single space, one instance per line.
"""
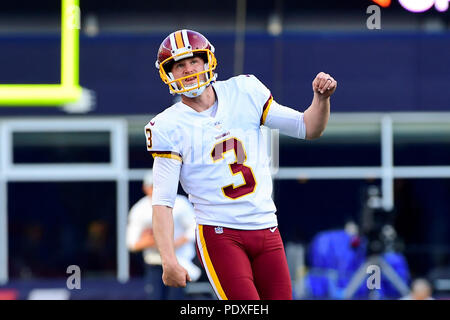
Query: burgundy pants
x=244 y=264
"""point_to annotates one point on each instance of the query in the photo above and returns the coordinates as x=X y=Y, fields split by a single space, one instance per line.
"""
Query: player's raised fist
x=324 y=85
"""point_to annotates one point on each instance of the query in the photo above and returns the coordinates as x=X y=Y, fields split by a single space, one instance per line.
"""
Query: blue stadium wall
x=376 y=71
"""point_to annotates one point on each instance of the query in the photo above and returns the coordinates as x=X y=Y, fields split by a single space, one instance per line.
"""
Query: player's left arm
x=303 y=125
x=317 y=115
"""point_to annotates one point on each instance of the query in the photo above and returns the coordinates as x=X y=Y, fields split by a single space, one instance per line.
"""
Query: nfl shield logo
x=218 y=125
x=218 y=230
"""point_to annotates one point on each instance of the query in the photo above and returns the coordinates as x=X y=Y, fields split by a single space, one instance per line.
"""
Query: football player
x=211 y=142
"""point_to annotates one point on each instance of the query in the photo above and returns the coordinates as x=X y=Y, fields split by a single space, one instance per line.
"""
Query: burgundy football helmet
x=183 y=44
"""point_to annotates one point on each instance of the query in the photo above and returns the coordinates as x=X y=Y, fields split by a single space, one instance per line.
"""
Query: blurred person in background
x=99 y=251
x=420 y=290
x=211 y=142
x=140 y=238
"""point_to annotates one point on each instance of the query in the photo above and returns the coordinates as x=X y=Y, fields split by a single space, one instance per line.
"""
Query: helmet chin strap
x=194 y=92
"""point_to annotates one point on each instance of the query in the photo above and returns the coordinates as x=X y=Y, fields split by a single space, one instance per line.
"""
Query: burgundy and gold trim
x=167 y=154
x=266 y=110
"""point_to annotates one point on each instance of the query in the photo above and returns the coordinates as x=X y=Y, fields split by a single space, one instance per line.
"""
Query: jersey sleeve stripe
x=266 y=109
x=167 y=154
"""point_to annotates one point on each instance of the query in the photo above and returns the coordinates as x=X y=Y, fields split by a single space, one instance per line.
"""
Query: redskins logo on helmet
x=183 y=44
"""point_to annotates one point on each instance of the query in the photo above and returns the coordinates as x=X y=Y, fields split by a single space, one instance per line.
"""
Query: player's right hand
x=175 y=276
x=324 y=85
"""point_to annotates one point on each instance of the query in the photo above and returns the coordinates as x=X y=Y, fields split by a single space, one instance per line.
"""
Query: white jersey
x=225 y=167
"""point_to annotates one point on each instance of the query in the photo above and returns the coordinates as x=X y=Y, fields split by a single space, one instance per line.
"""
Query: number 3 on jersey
x=148 y=133
x=249 y=184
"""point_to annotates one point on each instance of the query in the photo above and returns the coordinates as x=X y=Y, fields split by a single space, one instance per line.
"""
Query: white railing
x=116 y=170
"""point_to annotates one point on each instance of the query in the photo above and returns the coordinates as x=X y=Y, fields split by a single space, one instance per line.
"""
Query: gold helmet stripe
x=179 y=40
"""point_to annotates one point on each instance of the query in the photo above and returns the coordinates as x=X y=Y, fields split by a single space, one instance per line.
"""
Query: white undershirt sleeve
x=289 y=121
x=166 y=175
